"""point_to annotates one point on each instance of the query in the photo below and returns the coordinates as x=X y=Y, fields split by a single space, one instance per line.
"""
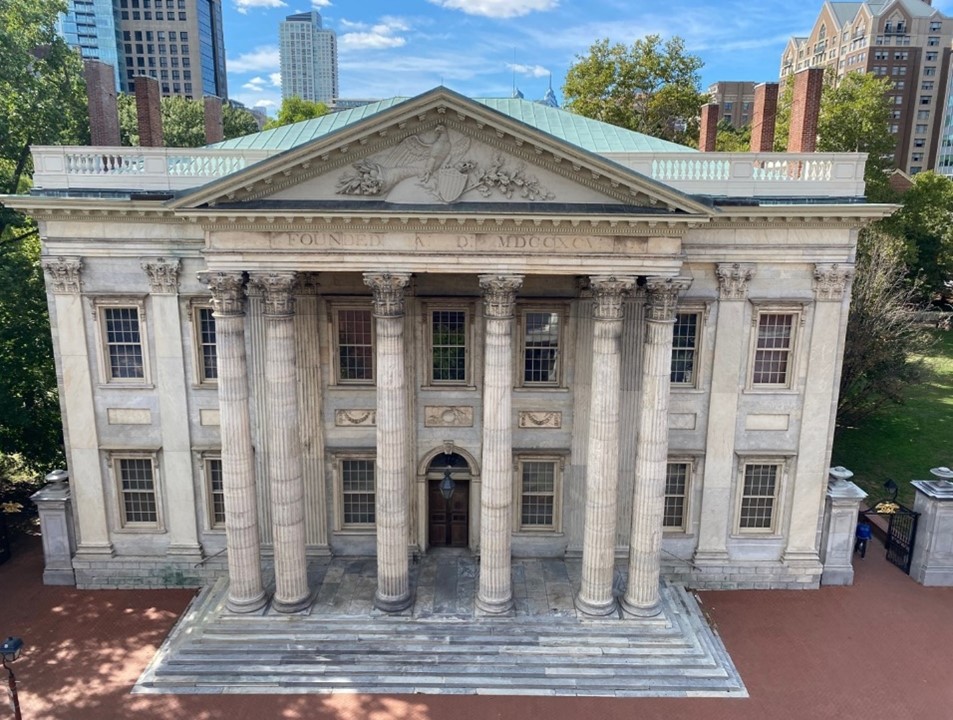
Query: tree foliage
x=731 y=139
x=925 y=224
x=183 y=121
x=652 y=87
x=884 y=338
x=294 y=109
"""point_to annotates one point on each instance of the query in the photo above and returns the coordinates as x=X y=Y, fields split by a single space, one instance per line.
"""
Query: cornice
x=259 y=221
x=92 y=209
x=846 y=215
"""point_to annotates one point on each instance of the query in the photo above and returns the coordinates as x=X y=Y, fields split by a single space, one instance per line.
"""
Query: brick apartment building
x=907 y=41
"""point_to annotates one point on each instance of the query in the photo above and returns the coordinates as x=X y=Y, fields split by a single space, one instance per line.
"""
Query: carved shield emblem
x=450 y=184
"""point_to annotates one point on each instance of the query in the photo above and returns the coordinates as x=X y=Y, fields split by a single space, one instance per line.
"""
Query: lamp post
x=10 y=651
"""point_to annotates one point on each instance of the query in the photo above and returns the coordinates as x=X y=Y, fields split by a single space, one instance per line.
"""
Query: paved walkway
x=880 y=649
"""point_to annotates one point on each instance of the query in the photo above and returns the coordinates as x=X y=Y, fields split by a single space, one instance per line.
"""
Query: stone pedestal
x=932 y=562
x=56 y=527
x=840 y=523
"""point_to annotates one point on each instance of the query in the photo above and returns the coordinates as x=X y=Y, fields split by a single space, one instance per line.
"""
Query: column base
x=596 y=609
x=641 y=611
x=391 y=604
x=291 y=606
x=245 y=606
x=494 y=607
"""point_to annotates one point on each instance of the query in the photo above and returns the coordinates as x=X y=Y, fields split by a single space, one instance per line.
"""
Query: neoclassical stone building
x=448 y=322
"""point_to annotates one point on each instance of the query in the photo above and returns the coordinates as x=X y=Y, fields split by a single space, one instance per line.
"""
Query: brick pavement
x=880 y=649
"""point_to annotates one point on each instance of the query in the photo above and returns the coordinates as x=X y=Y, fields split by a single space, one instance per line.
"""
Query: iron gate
x=901 y=531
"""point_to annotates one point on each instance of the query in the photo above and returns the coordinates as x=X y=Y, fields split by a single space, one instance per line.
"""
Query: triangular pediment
x=440 y=151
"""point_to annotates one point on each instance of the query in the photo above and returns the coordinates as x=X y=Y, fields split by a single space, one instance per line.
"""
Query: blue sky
x=477 y=46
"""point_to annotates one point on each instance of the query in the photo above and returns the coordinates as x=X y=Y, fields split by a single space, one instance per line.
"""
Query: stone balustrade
x=771 y=175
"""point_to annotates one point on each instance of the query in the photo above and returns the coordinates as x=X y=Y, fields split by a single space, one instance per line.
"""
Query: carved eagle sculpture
x=425 y=157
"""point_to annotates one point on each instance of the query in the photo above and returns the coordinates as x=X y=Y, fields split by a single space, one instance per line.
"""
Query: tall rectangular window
x=205 y=342
x=448 y=346
x=759 y=497
x=357 y=492
x=540 y=348
x=677 y=475
x=137 y=491
x=123 y=343
x=538 y=494
x=684 y=348
x=355 y=351
x=773 y=353
x=216 y=492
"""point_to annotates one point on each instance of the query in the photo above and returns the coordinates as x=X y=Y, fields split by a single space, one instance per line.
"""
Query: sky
x=480 y=48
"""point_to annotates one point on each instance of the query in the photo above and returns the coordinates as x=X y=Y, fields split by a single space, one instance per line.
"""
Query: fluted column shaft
x=284 y=457
x=495 y=594
x=651 y=449
x=245 y=590
x=391 y=479
x=602 y=466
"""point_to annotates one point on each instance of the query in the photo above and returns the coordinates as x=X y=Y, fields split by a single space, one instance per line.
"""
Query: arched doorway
x=448 y=501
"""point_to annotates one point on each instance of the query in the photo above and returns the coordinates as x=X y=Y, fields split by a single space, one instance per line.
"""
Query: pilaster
x=495 y=595
x=64 y=279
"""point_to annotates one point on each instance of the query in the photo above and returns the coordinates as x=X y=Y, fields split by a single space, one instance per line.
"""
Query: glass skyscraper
x=90 y=25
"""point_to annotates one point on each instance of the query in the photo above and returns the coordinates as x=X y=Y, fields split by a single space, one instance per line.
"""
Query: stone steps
x=675 y=654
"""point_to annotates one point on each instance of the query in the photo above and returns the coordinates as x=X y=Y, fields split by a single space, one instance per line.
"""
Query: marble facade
x=706 y=463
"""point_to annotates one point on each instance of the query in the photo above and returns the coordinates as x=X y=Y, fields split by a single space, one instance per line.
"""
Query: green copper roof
x=592 y=135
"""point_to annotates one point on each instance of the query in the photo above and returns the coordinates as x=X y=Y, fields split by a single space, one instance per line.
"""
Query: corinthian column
x=495 y=594
x=391 y=481
x=284 y=445
x=651 y=448
x=245 y=591
x=602 y=474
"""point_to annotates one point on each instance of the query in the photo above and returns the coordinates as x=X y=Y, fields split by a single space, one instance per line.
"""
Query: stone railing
x=135 y=168
x=764 y=175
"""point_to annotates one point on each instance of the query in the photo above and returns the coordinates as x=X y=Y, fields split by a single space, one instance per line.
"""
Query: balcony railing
x=771 y=175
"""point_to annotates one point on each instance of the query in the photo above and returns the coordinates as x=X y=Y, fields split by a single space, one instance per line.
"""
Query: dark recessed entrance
x=448 y=501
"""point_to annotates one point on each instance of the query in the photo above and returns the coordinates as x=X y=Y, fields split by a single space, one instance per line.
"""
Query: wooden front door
x=449 y=520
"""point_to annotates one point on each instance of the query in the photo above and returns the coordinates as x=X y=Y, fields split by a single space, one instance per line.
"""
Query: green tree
x=652 y=87
x=884 y=337
x=732 y=139
x=294 y=109
x=925 y=224
x=237 y=122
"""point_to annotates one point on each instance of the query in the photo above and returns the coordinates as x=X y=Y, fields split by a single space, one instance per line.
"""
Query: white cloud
x=320 y=3
x=384 y=34
x=243 y=6
x=498 y=8
x=261 y=59
x=275 y=79
x=256 y=84
x=531 y=70
x=265 y=103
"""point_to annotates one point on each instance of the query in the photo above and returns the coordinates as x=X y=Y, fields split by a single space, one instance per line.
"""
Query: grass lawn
x=902 y=442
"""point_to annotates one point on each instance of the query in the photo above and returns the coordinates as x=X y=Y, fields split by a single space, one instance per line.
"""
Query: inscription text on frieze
x=459 y=243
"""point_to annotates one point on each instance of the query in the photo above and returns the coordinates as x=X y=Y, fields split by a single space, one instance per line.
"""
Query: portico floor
x=441 y=644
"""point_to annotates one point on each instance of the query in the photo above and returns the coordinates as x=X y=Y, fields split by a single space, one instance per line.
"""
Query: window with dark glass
x=772 y=356
x=537 y=494
x=123 y=343
x=357 y=492
x=676 y=493
x=448 y=344
x=684 y=348
x=137 y=491
x=759 y=497
x=540 y=348
x=216 y=491
x=355 y=333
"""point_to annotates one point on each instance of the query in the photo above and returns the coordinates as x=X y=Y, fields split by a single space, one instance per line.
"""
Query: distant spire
x=517 y=93
x=549 y=98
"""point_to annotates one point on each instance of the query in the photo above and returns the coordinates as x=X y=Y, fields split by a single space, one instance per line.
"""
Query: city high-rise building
x=309 y=59
x=90 y=26
x=907 y=41
x=180 y=43
x=735 y=100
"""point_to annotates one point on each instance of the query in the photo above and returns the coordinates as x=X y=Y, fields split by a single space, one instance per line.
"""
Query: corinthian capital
x=831 y=281
x=662 y=297
x=163 y=275
x=228 y=291
x=733 y=280
x=64 y=274
x=608 y=293
x=499 y=294
x=277 y=290
x=388 y=292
